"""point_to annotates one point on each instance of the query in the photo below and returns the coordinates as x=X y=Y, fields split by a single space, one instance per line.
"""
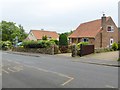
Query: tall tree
x=10 y=30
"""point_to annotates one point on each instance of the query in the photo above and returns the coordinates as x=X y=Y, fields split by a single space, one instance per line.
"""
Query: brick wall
x=107 y=35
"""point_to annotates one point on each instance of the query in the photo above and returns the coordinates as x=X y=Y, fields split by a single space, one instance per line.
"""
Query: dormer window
x=110 y=29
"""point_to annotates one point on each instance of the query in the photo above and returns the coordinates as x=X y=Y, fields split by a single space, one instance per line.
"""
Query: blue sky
x=56 y=15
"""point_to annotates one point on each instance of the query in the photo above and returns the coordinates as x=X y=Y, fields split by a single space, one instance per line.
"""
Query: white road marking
x=109 y=86
x=5 y=71
x=18 y=68
x=67 y=82
x=44 y=70
x=59 y=74
x=11 y=70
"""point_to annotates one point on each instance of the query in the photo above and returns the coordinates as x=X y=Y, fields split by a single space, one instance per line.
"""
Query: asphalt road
x=19 y=71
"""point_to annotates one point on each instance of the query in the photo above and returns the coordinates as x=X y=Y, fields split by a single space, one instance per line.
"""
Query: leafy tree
x=63 y=40
x=10 y=30
x=44 y=37
x=63 y=43
x=67 y=33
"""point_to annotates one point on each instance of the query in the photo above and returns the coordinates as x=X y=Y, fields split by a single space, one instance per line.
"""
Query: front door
x=111 y=41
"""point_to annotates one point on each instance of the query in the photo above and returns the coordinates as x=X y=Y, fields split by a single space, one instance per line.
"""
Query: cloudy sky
x=56 y=15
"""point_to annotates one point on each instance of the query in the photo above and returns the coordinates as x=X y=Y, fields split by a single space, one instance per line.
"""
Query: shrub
x=38 y=44
x=119 y=46
x=5 y=45
x=44 y=37
x=56 y=41
x=83 y=43
x=115 y=46
x=119 y=59
x=63 y=43
x=63 y=40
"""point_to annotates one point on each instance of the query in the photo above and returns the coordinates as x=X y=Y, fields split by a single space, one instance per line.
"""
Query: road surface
x=46 y=71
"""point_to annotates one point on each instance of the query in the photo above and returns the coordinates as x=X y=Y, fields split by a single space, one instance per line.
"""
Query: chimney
x=103 y=22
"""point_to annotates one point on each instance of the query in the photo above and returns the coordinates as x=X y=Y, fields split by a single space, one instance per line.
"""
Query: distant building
x=38 y=34
x=102 y=33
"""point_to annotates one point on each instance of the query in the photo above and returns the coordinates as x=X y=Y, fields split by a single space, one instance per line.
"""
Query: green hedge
x=38 y=44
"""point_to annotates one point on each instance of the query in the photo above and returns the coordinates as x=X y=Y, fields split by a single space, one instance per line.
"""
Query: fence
x=86 y=49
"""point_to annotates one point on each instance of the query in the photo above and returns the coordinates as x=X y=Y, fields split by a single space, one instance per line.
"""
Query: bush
x=119 y=46
x=5 y=45
x=119 y=59
x=115 y=46
x=44 y=37
x=38 y=44
x=63 y=40
x=56 y=41
x=63 y=43
x=81 y=43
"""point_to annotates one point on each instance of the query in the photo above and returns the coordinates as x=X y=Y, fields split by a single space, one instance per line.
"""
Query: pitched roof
x=88 y=29
x=40 y=33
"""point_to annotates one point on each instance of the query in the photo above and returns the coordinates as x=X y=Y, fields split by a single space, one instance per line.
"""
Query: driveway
x=99 y=56
x=104 y=56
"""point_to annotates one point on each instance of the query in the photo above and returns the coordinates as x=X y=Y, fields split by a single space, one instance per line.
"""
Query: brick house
x=119 y=35
x=102 y=33
x=38 y=34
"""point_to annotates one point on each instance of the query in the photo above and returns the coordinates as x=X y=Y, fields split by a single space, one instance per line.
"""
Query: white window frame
x=112 y=28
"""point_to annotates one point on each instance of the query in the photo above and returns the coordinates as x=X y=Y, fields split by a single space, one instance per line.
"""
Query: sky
x=56 y=15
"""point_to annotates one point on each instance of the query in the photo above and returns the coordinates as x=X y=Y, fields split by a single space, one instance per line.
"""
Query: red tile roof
x=40 y=33
x=88 y=29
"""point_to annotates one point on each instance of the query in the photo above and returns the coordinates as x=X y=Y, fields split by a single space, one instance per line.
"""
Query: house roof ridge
x=44 y=31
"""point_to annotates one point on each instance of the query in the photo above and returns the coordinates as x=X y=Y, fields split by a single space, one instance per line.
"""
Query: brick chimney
x=103 y=25
x=103 y=22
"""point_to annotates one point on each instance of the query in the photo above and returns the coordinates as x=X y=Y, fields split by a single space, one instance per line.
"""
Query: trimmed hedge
x=38 y=44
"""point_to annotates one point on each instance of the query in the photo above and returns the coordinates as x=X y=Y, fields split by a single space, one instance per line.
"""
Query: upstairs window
x=110 y=29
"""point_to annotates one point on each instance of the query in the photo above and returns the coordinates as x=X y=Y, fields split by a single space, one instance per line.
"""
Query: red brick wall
x=107 y=35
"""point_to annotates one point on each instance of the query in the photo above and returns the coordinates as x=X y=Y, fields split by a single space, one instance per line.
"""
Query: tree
x=63 y=43
x=63 y=40
x=44 y=37
x=10 y=30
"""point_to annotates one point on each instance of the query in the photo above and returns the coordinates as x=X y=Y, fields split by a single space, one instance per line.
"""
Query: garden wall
x=50 y=50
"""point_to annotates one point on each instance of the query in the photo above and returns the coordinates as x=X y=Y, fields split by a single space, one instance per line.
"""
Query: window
x=110 y=28
x=85 y=39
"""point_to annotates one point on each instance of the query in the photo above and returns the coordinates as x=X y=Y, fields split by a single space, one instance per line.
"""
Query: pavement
x=107 y=58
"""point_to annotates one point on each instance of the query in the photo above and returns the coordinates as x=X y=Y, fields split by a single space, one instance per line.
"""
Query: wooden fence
x=86 y=49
